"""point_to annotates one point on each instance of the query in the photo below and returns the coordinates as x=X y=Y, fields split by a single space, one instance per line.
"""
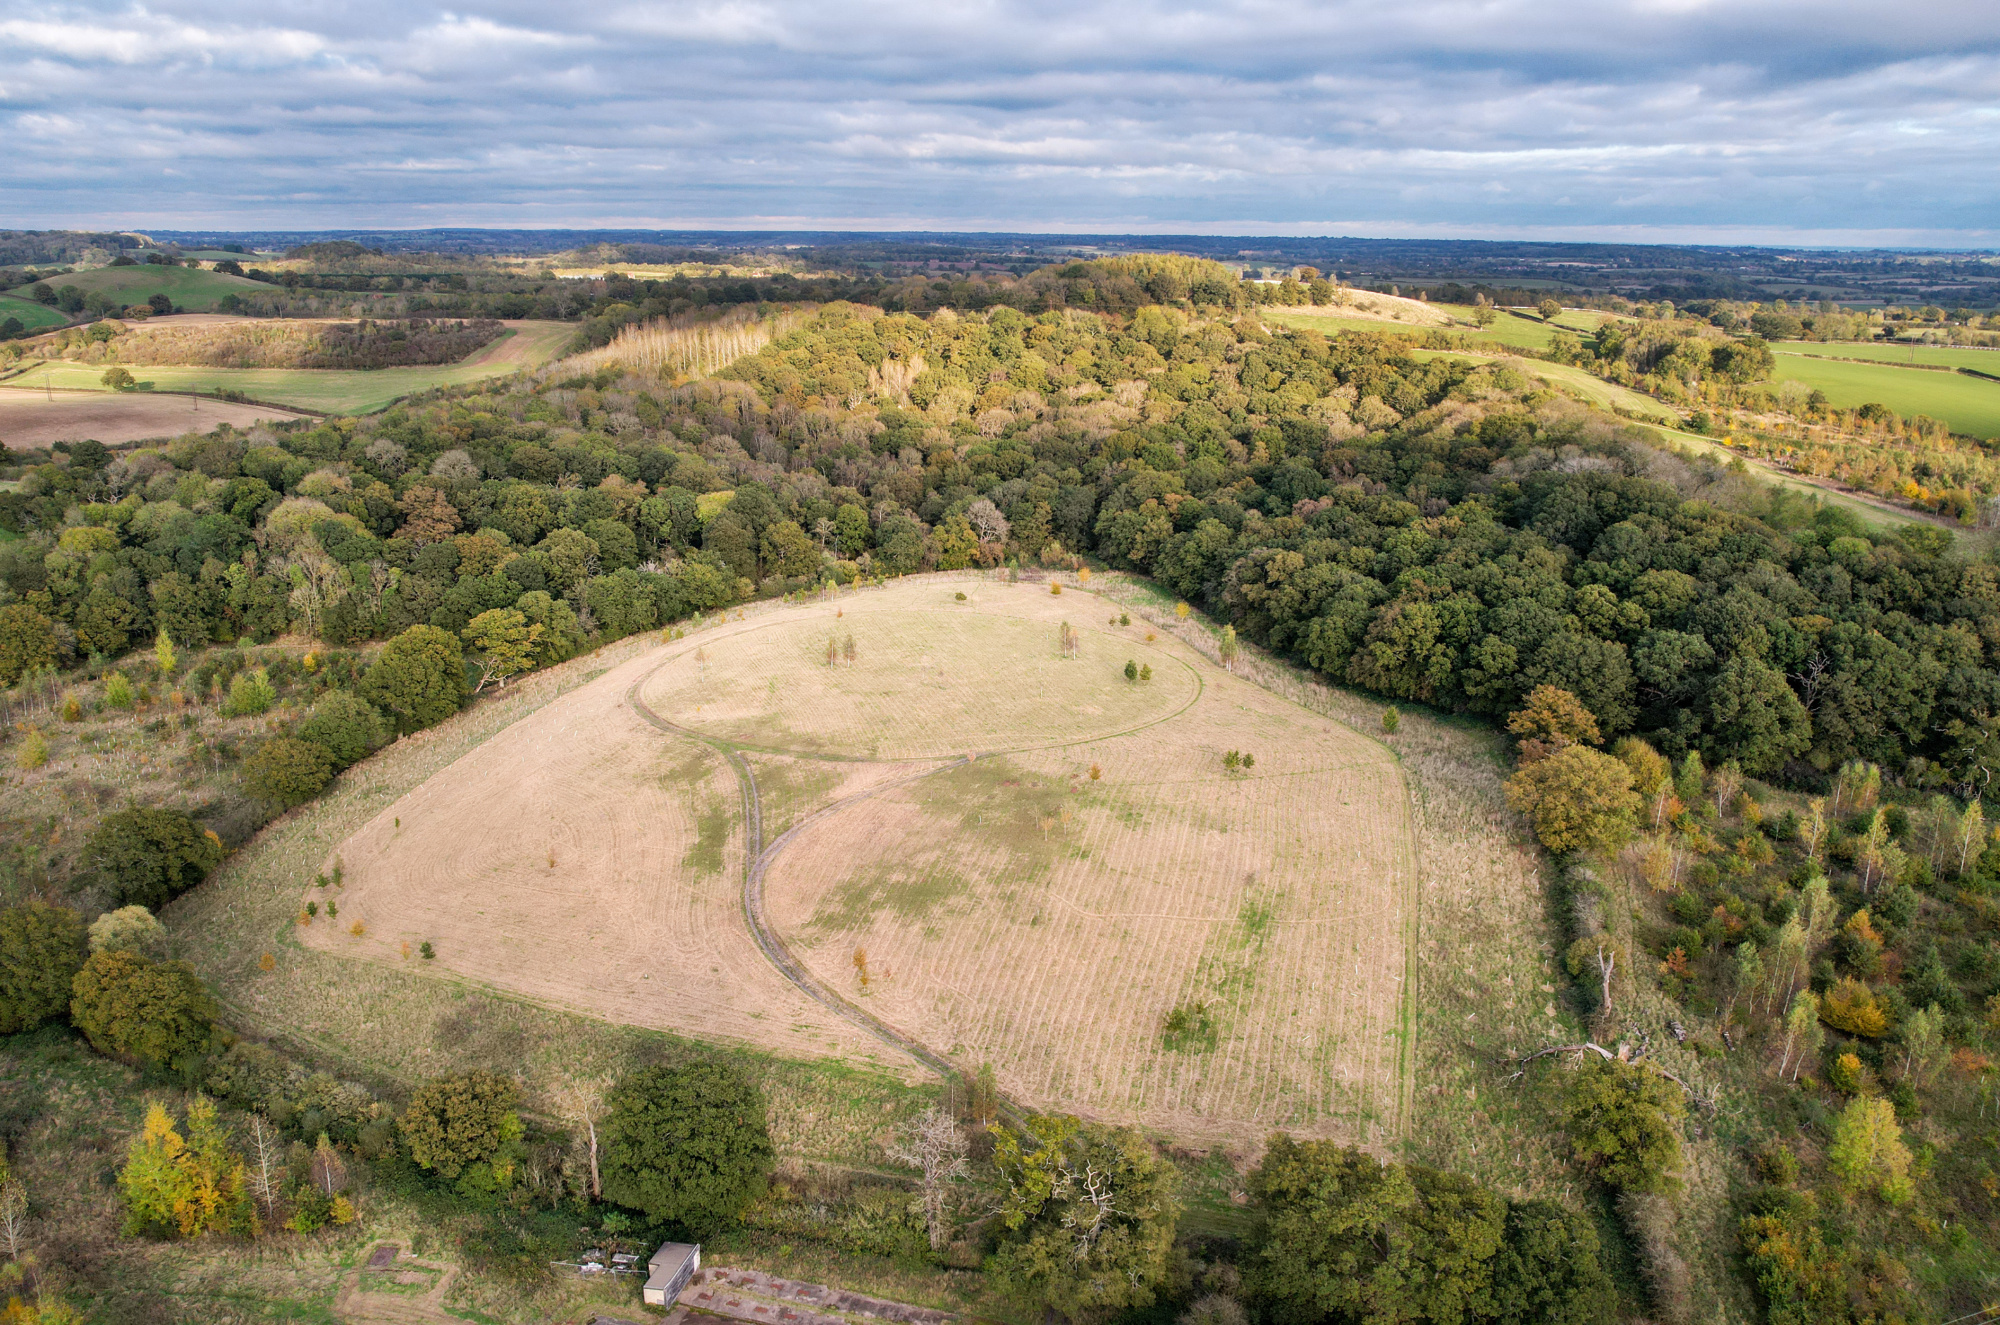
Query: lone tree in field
x=127 y=1005
x=418 y=678
x=1577 y=800
x=934 y=1144
x=1228 y=649
x=41 y=950
x=1549 y=309
x=1131 y=670
x=686 y=1144
x=346 y=726
x=1624 y=1123
x=287 y=772
x=1070 y=642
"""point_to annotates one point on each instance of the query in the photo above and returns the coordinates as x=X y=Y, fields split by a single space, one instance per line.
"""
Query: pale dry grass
x=1019 y=912
x=1483 y=951
x=932 y=677
x=584 y=860
x=398 y=1022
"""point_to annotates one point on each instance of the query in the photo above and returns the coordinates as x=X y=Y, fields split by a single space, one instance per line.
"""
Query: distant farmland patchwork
x=329 y=391
x=191 y=288
x=1047 y=906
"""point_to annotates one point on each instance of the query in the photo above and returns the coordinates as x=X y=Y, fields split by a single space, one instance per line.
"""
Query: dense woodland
x=1754 y=730
x=362 y=344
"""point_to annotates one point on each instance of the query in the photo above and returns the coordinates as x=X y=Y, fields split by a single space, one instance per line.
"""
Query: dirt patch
x=29 y=417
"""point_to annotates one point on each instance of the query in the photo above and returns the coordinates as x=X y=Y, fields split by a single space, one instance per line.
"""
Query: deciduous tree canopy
x=686 y=1144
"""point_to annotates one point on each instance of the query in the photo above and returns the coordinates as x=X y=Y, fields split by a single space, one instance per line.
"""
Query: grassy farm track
x=758 y=858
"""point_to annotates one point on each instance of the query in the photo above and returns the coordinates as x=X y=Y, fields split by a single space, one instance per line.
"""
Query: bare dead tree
x=1810 y=680
x=267 y=1164
x=935 y=1145
x=1606 y=963
x=13 y=1216
x=329 y=1174
x=581 y=1101
x=1093 y=1209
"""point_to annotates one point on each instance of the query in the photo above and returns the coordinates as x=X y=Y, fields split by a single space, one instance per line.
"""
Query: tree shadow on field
x=483 y=1033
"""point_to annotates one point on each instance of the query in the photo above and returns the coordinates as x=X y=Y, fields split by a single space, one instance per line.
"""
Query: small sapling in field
x=426 y=951
x=1131 y=670
x=1391 y=720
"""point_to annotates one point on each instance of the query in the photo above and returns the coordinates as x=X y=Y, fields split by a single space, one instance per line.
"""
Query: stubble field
x=1010 y=907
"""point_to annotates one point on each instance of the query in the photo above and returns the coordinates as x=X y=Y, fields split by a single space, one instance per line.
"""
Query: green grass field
x=32 y=314
x=1965 y=404
x=331 y=390
x=1945 y=356
x=189 y=288
x=1522 y=331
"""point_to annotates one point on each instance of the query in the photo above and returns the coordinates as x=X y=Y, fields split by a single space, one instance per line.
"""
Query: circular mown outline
x=637 y=695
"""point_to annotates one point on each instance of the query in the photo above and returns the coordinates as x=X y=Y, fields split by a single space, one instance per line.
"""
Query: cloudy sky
x=1738 y=120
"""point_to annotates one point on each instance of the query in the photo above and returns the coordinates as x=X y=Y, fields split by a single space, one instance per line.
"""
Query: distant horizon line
x=1884 y=239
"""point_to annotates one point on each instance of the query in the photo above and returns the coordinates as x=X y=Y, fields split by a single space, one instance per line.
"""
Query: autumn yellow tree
x=184 y=1185
x=1868 y=1150
x=1577 y=799
x=1550 y=721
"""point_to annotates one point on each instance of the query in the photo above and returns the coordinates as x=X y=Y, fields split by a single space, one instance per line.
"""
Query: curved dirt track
x=758 y=858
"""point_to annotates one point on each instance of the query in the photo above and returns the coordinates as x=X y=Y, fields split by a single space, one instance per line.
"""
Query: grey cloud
x=1441 y=116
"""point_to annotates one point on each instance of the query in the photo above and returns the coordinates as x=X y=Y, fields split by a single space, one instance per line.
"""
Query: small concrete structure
x=670 y=1269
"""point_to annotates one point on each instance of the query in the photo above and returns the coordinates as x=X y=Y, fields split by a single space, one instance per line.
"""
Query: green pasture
x=1577 y=382
x=32 y=314
x=327 y=390
x=1907 y=353
x=1964 y=404
x=1510 y=330
x=190 y=288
